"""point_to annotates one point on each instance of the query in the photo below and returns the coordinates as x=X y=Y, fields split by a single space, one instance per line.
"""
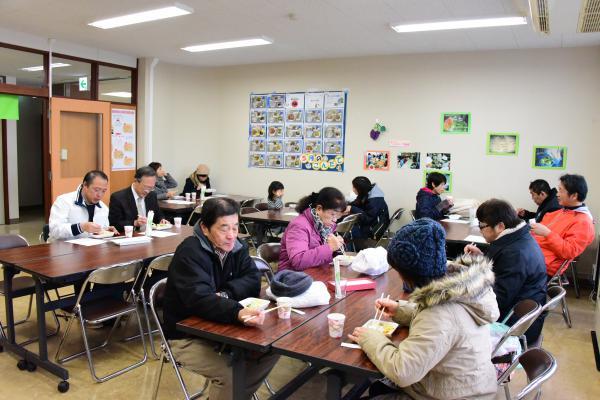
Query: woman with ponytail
x=310 y=240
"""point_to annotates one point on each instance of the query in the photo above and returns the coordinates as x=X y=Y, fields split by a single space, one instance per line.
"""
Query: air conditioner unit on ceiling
x=589 y=16
x=540 y=18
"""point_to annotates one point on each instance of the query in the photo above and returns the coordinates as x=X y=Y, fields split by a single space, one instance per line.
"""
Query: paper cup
x=336 y=324
x=177 y=221
x=128 y=231
x=285 y=307
x=187 y=196
x=193 y=196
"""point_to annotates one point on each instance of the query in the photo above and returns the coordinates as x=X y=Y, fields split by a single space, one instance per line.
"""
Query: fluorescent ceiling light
x=464 y=24
x=125 y=95
x=152 y=15
x=228 y=45
x=41 y=67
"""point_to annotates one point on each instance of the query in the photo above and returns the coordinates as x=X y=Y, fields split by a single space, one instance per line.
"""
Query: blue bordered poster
x=297 y=130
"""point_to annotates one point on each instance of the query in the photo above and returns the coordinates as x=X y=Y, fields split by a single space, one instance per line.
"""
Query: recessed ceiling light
x=124 y=95
x=41 y=67
x=228 y=45
x=463 y=24
x=151 y=15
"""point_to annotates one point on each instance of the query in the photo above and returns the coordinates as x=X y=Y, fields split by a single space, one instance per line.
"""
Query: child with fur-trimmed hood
x=447 y=354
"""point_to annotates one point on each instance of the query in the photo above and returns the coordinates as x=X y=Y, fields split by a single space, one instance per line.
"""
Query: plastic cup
x=193 y=196
x=532 y=221
x=187 y=196
x=128 y=231
x=285 y=307
x=343 y=287
x=177 y=221
x=336 y=324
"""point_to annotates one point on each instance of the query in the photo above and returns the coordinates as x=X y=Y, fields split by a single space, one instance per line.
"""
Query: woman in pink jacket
x=310 y=240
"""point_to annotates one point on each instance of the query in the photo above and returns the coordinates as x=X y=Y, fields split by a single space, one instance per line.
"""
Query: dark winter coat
x=373 y=212
x=548 y=205
x=430 y=205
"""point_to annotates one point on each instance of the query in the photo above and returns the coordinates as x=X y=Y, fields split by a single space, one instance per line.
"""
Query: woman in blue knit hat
x=448 y=349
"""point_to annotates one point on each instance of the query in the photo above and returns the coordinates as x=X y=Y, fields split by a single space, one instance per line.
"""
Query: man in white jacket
x=81 y=213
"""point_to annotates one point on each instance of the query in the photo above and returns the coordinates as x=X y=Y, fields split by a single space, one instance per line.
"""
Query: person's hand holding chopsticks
x=472 y=249
x=386 y=307
x=251 y=317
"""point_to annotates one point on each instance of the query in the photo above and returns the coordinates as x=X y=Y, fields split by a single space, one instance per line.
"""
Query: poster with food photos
x=297 y=130
x=122 y=139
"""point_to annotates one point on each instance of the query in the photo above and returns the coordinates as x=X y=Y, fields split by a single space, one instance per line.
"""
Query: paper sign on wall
x=9 y=106
x=123 y=139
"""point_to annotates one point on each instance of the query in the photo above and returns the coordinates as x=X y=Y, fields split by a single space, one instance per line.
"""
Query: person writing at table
x=197 y=181
x=164 y=182
x=519 y=264
x=81 y=213
x=130 y=206
x=210 y=273
x=429 y=203
x=447 y=352
x=310 y=240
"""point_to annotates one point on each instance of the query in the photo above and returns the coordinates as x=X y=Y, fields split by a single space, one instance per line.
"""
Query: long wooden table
x=277 y=217
x=457 y=232
x=59 y=262
x=174 y=208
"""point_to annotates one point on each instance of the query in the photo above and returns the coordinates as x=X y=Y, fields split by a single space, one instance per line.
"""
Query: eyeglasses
x=481 y=226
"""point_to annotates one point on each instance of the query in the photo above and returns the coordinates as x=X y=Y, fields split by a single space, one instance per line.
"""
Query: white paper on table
x=86 y=241
x=179 y=202
x=218 y=195
x=455 y=221
x=161 y=234
x=351 y=345
x=475 y=238
x=292 y=213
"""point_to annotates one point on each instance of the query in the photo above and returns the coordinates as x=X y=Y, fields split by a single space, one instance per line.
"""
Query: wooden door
x=79 y=142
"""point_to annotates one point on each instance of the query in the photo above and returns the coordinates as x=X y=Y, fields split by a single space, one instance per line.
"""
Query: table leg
x=8 y=301
x=335 y=383
x=238 y=366
x=41 y=320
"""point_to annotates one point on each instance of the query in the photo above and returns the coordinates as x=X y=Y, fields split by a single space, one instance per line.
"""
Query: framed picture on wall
x=376 y=160
x=549 y=157
x=502 y=144
x=2 y=79
x=455 y=123
x=447 y=174
x=409 y=160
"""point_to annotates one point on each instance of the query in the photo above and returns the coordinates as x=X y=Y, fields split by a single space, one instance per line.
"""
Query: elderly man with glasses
x=130 y=206
x=81 y=213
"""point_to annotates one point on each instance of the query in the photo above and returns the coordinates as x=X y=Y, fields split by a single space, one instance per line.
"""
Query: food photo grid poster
x=123 y=139
x=297 y=130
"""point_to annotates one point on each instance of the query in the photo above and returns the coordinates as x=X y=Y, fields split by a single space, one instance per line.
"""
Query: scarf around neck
x=324 y=231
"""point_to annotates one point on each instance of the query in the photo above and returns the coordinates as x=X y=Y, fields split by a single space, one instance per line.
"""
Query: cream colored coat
x=447 y=352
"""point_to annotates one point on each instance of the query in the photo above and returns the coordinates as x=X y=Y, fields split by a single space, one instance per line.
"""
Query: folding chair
x=344 y=228
x=23 y=286
x=555 y=295
x=263 y=267
x=262 y=206
x=104 y=309
x=527 y=312
x=248 y=226
x=156 y=296
x=269 y=252
x=539 y=366
x=390 y=230
x=195 y=213
x=557 y=281
x=560 y=278
x=413 y=214
x=249 y=202
x=45 y=234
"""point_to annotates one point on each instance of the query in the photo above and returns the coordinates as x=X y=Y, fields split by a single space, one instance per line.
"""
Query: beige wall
x=551 y=97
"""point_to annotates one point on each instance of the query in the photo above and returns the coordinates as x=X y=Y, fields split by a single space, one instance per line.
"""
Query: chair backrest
x=555 y=295
x=157 y=294
x=269 y=252
x=346 y=225
x=45 y=233
x=160 y=263
x=119 y=273
x=262 y=206
x=263 y=267
x=383 y=242
x=195 y=212
x=539 y=366
x=249 y=202
x=12 y=241
x=555 y=280
x=248 y=210
x=527 y=312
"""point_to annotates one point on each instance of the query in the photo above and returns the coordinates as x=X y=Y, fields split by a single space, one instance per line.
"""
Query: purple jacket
x=301 y=245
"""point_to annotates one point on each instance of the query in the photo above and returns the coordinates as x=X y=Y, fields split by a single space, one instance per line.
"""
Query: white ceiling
x=301 y=29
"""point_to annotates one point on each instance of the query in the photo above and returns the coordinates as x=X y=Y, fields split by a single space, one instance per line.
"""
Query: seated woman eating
x=197 y=180
x=448 y=349
x=309 y=240
x=371 y=206
x=429 y=203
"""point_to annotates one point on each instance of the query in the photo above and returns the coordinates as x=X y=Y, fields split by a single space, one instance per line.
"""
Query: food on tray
x=160 y=227
x=254 y=303
x=259 y=102
x=103 y=234
x=385 y=327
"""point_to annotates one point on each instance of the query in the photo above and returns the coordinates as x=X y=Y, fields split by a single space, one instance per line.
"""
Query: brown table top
x=311 y=341
x=19 y=254
x=457 y=232
x=272 y=216
x=89 y=258
x=166 y=206
x=260 y=338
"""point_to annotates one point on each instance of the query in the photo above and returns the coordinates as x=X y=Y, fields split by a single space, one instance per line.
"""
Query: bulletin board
x=298 y=130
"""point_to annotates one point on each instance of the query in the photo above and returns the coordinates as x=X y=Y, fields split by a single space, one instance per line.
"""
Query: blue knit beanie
x=419 y=248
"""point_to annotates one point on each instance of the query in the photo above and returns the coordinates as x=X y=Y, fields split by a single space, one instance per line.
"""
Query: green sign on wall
x=9 y=106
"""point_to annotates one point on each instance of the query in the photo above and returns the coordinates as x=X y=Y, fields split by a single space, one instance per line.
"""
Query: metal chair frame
x=556 y=281
x=119 y=273
x=197 y=210
x=263 y=267
x=246 y=225
x=166 y=353
x=345 y=229
x=527 y=311
x=535 y=375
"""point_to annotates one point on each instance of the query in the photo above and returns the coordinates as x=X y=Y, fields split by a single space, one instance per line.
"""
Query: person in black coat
x=429 y=203
x=130 y=206
x=519 y=264
x=210 y=273
x=371 y=207
x=197 y=180
x=544 y=197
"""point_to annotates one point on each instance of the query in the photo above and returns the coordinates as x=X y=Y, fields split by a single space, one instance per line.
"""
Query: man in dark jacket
x=544 y=197
x=130 y=206
x=210 y=272
x=519 y=264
